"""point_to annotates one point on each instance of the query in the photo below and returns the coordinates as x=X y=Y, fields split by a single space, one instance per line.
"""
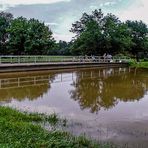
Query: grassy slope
x=139 y=65
x=20 y=130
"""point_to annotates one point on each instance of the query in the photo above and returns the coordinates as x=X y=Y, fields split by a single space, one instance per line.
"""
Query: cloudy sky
x=60 y=14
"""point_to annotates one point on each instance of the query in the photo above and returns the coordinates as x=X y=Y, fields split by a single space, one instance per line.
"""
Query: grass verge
x=139 y=64
x=19 y=130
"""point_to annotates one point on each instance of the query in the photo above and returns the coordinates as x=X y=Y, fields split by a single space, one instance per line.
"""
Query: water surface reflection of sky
x=112 y=93
x=106 y=104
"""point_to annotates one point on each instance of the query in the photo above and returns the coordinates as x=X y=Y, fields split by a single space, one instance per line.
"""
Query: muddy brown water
x=105 y=104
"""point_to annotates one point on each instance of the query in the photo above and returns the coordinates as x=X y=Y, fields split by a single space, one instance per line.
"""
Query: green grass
x=19 y=130
x=139 y=64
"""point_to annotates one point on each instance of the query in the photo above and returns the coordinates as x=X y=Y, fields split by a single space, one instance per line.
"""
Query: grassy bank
x=139 y=64
x=24 y=130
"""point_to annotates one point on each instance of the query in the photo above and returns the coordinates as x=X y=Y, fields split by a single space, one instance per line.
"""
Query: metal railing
x=58 y=59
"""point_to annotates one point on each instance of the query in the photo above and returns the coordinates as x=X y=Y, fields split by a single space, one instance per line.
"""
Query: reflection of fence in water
x=8 y=83
x=104 y=73
x=22 y=82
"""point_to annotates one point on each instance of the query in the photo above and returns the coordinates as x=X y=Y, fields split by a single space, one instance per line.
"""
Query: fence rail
x=58 y=59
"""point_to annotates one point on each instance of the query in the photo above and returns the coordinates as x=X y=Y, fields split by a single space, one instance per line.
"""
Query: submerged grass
x=19 y=130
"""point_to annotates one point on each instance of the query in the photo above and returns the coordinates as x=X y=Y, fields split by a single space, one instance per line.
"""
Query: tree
x=5 y=20
x=97 y=34
x=61 y=48
x=117 y=38
x=39 y=38
x=139 y=34
x=88 y=32
x=80 y=26
x=17 y=36
x=29 y=37
x=89 y=42
x=20 y=36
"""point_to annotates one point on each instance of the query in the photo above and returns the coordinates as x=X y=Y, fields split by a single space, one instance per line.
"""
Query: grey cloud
x=63 y=14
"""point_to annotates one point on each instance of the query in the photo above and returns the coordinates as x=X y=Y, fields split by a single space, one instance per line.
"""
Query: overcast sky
x=60 y=14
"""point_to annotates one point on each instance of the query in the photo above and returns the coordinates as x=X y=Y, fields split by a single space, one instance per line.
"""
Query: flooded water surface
x=106 y=104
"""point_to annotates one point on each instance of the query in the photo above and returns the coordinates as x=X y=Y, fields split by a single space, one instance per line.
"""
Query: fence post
x=35 y=59
x=18 y=81
x=11 y=60
x=18 y=60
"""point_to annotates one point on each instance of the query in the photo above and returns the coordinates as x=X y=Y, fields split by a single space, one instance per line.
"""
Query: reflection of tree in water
x=105 y=88
x=30 y=87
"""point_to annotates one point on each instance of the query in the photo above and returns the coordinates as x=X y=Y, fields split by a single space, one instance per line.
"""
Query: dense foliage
x=20 y=36
x=61 y=48
x=95 y=34
x=98 y=33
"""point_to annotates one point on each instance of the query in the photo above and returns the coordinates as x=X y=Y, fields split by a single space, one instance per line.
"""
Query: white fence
x=58 y=59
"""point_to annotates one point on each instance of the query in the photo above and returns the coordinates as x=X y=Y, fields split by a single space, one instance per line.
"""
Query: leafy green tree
x=117 y=37
x=139 y=34
x=80 y=26
x=88 y=43
x=5 y=19
x=89 y=35
x=17 y=36
x=20 y=36
x=97 y=34
x=39 y=38
x=61 y=48
x=29 y=37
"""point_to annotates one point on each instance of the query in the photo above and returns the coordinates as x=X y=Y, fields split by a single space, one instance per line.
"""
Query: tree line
x=19 y=36
x=95 y=34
